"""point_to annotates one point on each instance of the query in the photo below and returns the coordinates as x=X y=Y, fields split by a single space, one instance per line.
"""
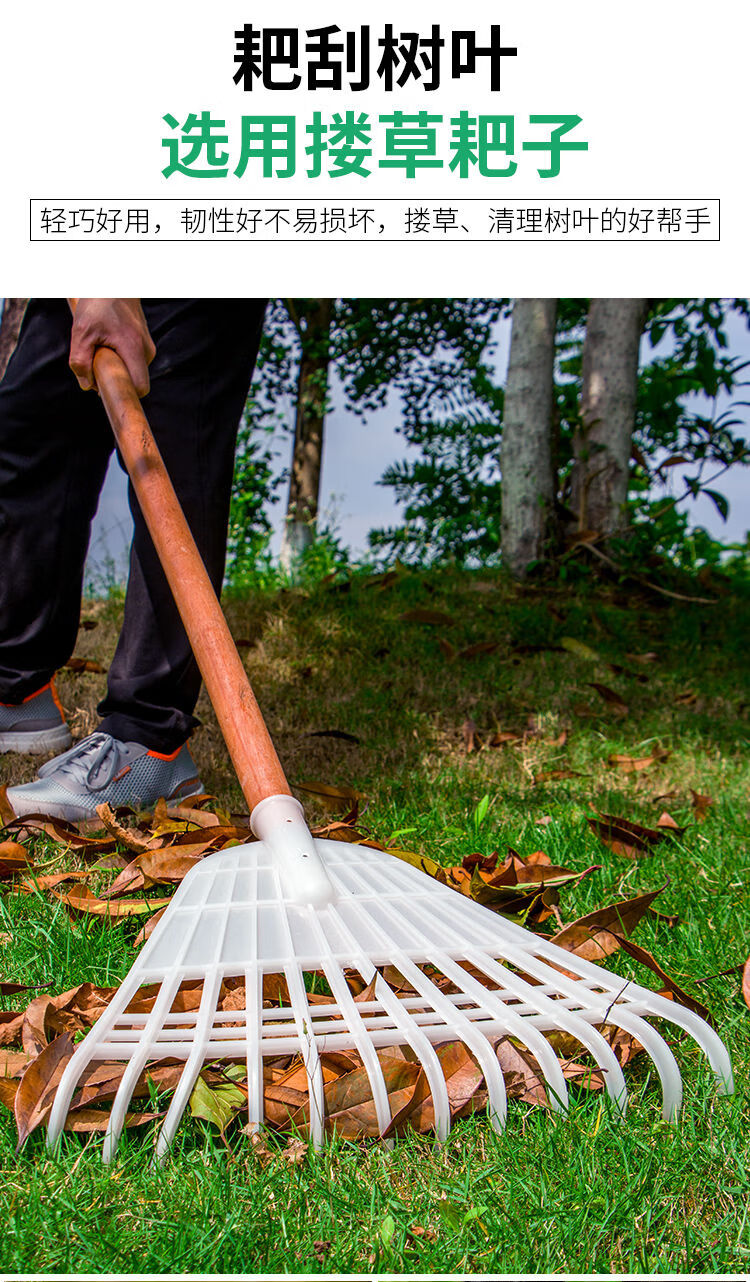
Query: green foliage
x=452 y=491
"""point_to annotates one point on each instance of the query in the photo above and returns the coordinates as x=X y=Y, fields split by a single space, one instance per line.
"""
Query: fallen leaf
x=524 y=1079
x=13 y=859
x=686 y=698
x=334 y=734
x=77 y=664
x=469 y=732
x=332 y=798
x=665 y=820
x=746 y=982
x=435 y=617
x=11 y=1023
x=146 y=929
x=546 y=776
x=448 y=650
x=218 y=1103
x=127 y=837
x=580 y=649
x=647 y=959
x=34 y=1096
x=582 y=937
x=502 y=737
x=350 y=1108
x=611 y=697
x=701 y=803
x=622 y=837
x=7 y=813
x=86 y=1121
x=479 y=647
x=82 y=900
x=632 y=765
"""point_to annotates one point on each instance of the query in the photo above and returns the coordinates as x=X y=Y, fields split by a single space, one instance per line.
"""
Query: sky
x=355 y=455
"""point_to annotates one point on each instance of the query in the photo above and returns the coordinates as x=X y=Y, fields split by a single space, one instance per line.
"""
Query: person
x=191 y=361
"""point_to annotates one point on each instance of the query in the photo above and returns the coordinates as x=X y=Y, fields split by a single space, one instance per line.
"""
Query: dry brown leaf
x=77 y=664
x=686 y=698
x=523 y=1077
x=85 y=1121
x=632 y=765
x=665 y=820
x=546 y=776
x=448 y=650
x=746 y=982
x=479 y=647
x=331 y=797
x=128 y=837
x=14 y=858
x=82 y=900
x=582 y=937
x=502 y=737
x=611 y=698
x=623 y=837
x=469 y=732
x=701 y=804
x=11 y=1023
x=7 y=813
x=36 y=1092
x=435 y=617
x=146 y=929
x=646 y=958
x=61 y=830
x=13 y=1063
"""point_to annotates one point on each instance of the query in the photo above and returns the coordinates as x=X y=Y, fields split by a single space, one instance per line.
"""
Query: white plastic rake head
x=290 y=904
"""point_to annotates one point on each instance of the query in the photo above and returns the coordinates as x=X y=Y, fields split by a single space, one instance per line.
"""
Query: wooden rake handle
x=254 y=757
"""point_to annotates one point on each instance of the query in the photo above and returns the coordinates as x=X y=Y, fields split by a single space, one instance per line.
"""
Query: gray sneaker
x=37 y=725
x=103 y=769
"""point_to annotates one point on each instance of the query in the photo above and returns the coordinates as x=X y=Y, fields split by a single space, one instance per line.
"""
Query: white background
x=662 y=89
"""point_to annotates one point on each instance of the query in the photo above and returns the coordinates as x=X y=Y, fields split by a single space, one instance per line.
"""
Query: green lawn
x=581 y=1194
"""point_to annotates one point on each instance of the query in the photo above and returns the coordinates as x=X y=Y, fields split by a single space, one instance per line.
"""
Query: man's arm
x=118 y=323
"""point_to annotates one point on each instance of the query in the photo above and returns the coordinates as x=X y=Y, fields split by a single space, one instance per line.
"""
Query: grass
x=578 y=1195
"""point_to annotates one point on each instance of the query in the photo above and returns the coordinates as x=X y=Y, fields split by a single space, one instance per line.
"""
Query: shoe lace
x=94 y=761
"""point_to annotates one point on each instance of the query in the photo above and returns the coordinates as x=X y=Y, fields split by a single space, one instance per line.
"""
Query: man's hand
x=118 y=323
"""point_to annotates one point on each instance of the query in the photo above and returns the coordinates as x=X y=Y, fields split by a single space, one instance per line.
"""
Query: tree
x=603 y=444
x=526 y=459
x=312 y=319
x=425 y=350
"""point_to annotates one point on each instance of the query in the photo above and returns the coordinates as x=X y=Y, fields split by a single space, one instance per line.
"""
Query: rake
x=290 y=904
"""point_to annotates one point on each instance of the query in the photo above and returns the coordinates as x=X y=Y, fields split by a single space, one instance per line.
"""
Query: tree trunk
x=314 y=328
x=526 y=462
x=10 y=327
x=603 y=444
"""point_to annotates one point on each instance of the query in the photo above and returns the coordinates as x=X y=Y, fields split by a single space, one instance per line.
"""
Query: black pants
x=55 y=444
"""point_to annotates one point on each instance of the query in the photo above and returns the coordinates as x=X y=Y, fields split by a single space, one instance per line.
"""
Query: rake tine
x=533 y=1039
x=666 y=1065
x=137 y=1063
x=356 y=1024
x=477 y=1043
x=353 y=1017
x=664 y=1061
x=193 y=1063
x=254 y=1054
x=309 y=1050
x=701 y=1032
x=409 y=1028
x=84 y=1054
x=423 y=1048
x=561 y=1019
x=709 y=1042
